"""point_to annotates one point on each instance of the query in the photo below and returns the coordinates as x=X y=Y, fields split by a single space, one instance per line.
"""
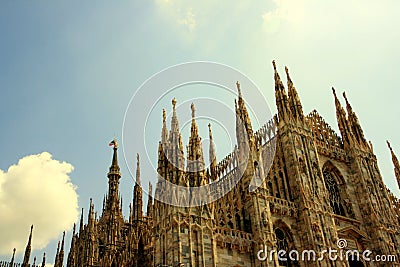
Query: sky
x=68 y=70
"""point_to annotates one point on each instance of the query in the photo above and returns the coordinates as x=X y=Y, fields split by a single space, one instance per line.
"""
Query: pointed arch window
x=334 y=193
x=281 y=238
x=284 y=242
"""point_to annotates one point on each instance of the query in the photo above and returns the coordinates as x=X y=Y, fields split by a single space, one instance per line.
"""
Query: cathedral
x=292 y=185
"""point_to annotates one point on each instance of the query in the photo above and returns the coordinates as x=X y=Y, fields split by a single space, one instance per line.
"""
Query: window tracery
x=334 y=193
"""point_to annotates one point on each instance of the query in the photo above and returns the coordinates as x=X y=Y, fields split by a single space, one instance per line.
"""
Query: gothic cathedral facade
x=318 y=188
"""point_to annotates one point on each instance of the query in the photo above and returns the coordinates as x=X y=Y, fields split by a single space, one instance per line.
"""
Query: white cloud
x=285 y=11
x=37 y=190
x=188 y=21
x=179 y=14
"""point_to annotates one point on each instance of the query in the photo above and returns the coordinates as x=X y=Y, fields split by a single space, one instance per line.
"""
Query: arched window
x=284 y=242
x=334 y=193
x=281 y=242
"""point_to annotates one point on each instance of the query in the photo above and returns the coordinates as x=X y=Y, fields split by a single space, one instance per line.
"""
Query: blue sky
x=69 y=68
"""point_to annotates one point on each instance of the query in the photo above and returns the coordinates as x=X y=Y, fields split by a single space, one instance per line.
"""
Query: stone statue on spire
x=193 y=110
x=114 y=143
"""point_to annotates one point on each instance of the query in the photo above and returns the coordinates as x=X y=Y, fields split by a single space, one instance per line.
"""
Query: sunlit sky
x=69 y=68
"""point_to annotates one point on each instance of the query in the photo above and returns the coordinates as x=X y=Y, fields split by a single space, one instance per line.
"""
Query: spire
x=91 y=216
x=81 y=223
x=12 y=259
x=137 y=169
x=195 y=159
x=280 y=97
x=73 y=236
x=28 y=249
x=44 y=260
x=113 y=181
x=242 y=111
x=149 y=212
x=34 y=262
x=395 y=163
x=343 y=124
x=294 y=100
x=212 y=154
x=137 y=195
x=244 y=129
x=164 y=131
x=175 y=150
x=163 y=147
x=61 y=253
x=355 y=125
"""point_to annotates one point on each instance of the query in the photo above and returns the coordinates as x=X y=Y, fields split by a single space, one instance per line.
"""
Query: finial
x=164 y=115
x=137 y=158
x=174 y=102
x=193 y=110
